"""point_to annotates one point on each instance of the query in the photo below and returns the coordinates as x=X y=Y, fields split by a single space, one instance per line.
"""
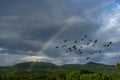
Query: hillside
x=95 y=67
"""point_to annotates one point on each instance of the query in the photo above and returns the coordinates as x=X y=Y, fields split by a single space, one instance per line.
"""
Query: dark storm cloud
x=26 y=25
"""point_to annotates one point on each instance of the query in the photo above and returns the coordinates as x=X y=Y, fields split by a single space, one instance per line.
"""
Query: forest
x=49 y=71
x=58 y=75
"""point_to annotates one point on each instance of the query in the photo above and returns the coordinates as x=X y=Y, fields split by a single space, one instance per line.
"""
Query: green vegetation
x=57 y=75
x=118 y=65
x=48 y=71
x=38 y=66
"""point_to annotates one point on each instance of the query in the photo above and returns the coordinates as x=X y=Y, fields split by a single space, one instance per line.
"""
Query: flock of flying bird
x=75 y=47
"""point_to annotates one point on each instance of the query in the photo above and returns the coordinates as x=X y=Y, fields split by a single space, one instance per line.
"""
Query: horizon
x=56 y=64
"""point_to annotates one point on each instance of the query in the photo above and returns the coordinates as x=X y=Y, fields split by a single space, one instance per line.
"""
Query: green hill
x=102 y=68
x=38 y=66
x=35 y=66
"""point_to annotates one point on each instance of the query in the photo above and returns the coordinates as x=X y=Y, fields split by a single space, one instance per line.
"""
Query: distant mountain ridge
x=95 y=67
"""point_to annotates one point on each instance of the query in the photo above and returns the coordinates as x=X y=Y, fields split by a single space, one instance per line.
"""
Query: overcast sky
x=31 y=29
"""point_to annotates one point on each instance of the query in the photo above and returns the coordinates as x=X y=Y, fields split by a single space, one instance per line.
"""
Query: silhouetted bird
x=96 y=41
x=88 y=58
x=108 y=45
x=65 y=40
x=100 y=52
x=80 y=52
x=90 y=40
x=82 y=39
x=57 y=47
x=93 y=45
x=110 y=42
x=75 y=42
x=74 y=46
x=85 y=36
x=81 y=46
x=69 y=48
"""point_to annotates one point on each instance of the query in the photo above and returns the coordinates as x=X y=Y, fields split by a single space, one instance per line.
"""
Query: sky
x=31 y=29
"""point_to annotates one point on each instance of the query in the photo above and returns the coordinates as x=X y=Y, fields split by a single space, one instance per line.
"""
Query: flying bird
x=65 y=40
x=90 y=40
x=108 y=45
x=74 y=46
x=93 y=45
x=85 y=36
x=110 y=42
x=88 y=58
x=69 y=48
x=82 y=39
x=57 y=46
x=80 y=52
x=81 y=46
x=105 y=45
x=100 y=52
x=75 y=41
x=95 y=41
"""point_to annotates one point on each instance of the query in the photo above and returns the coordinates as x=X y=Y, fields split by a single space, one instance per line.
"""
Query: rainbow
x=66 y=25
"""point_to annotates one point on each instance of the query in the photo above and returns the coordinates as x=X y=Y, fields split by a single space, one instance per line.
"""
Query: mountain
x=103 y=68
x=94 y=67
x=37 y=66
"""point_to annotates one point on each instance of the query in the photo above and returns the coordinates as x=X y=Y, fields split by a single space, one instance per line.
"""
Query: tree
x=118 y=65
